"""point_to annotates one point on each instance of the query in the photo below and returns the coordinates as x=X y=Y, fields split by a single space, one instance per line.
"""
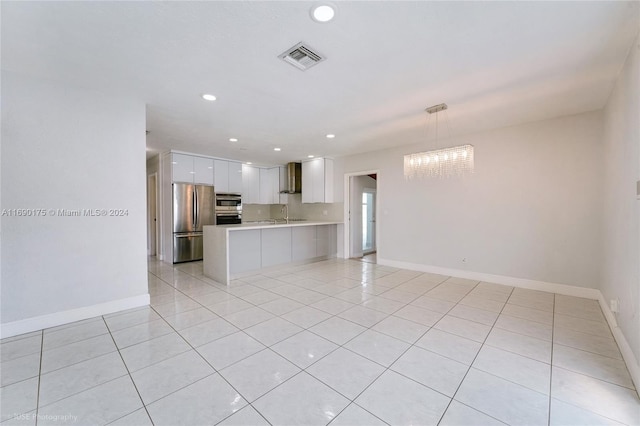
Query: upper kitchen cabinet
x=235 y=177
x=260 y=185
x=203 y=170
x=191 y=169
x=250 y=184
x=317 y=181
x=182 y=168
x=283 y=185
x=228 y=176
x=269 y=186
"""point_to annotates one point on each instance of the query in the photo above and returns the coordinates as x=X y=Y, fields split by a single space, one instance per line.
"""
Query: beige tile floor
x=341 y=342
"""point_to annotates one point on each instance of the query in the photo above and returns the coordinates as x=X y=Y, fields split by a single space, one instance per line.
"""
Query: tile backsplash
x=297 y=210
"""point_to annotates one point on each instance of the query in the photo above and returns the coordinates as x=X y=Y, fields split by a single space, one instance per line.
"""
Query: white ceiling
x=494 y=63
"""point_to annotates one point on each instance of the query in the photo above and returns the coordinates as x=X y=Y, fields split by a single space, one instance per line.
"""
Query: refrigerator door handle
x=196 y=217
x=193 y=210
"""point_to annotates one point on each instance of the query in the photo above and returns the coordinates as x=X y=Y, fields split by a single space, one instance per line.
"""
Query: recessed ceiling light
x=310 y=156
x=208 y=97
x=233 y=140
x=276 y=149
x=331 y=136
x=249 y=163
x=323 y=12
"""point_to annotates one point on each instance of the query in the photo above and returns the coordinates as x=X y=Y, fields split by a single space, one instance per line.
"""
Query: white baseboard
x=567 y=290
x=623 y=344
x=58 y=318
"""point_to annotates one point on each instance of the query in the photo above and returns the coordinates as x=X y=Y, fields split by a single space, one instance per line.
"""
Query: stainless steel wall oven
x=228 y=208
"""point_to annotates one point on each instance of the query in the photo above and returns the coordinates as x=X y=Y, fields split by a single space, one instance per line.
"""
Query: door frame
x=347 y=209
x=152 y=182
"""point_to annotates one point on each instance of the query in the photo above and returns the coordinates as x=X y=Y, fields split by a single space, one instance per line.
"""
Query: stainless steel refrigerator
x=193 y=207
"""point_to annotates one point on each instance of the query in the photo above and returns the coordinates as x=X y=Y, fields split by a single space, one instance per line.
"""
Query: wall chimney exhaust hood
x=294 y=178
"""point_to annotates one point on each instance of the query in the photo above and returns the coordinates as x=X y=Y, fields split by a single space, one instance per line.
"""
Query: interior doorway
x=152 y=209
x=368 y=221
x=361 y=205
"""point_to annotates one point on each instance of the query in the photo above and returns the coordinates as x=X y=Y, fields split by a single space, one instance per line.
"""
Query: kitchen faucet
x=285 y=212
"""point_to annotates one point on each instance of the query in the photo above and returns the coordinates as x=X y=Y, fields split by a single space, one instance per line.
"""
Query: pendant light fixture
x=444 y=162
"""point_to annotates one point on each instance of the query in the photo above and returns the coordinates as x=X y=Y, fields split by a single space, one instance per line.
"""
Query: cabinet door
x=282 y=185
x=307 y=182
x=203 y=170
x=322 y=240
x=221 y=175
x=182 y=168
x=327 y=180
x=235 y=177
x=274 y=178
x=326 y=240
x=318 y=180
x=244 y=251
x=276 y=246
x=303 y=242
x=250 y=185
x=266 y=187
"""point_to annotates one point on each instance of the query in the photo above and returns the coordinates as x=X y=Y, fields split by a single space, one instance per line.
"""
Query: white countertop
x=246 y=226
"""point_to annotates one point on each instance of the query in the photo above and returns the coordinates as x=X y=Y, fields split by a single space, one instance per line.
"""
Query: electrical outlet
x=614 y=305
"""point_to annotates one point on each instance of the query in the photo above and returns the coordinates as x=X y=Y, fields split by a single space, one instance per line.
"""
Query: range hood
x=294 y=178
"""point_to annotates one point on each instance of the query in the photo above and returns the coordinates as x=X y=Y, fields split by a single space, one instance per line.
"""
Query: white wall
x=621 y=277
x=65 y=148
x=531 y=210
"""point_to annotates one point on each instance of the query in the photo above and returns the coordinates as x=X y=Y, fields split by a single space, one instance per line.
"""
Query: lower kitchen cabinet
x=245 y=250
x=276 y=246
x=303 y=242
x=325 y=240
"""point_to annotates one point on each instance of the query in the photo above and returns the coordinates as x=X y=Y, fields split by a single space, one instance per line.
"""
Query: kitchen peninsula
x=231 y=251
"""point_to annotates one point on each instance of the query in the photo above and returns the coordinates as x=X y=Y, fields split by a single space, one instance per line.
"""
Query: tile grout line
x=472 y=361
x=39 y=375
x=387 y=368
x=216 y=371
x=553 y=347
x=130 y=377
x=305 y=369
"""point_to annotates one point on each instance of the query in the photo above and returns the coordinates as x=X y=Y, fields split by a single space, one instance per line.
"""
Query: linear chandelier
x=444 y=162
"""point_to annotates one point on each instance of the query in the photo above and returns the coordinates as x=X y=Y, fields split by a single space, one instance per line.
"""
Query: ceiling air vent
x=301 y=56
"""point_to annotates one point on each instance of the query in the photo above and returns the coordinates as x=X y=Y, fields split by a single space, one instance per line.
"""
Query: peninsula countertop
x=280 y=224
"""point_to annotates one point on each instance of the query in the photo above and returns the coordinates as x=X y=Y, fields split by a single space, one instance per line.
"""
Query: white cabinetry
x=235 y=177
x=221 y=175
x=276 y=246
x=228 y=176
x=182 y=168
x=203 y=170
x=317 y=181
x=259 y=185
x=246 y=250
x=250 y=185
x=325 y=241
x=191 y=169
x=303 y=242
x=269 y=186
x=283 y=185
